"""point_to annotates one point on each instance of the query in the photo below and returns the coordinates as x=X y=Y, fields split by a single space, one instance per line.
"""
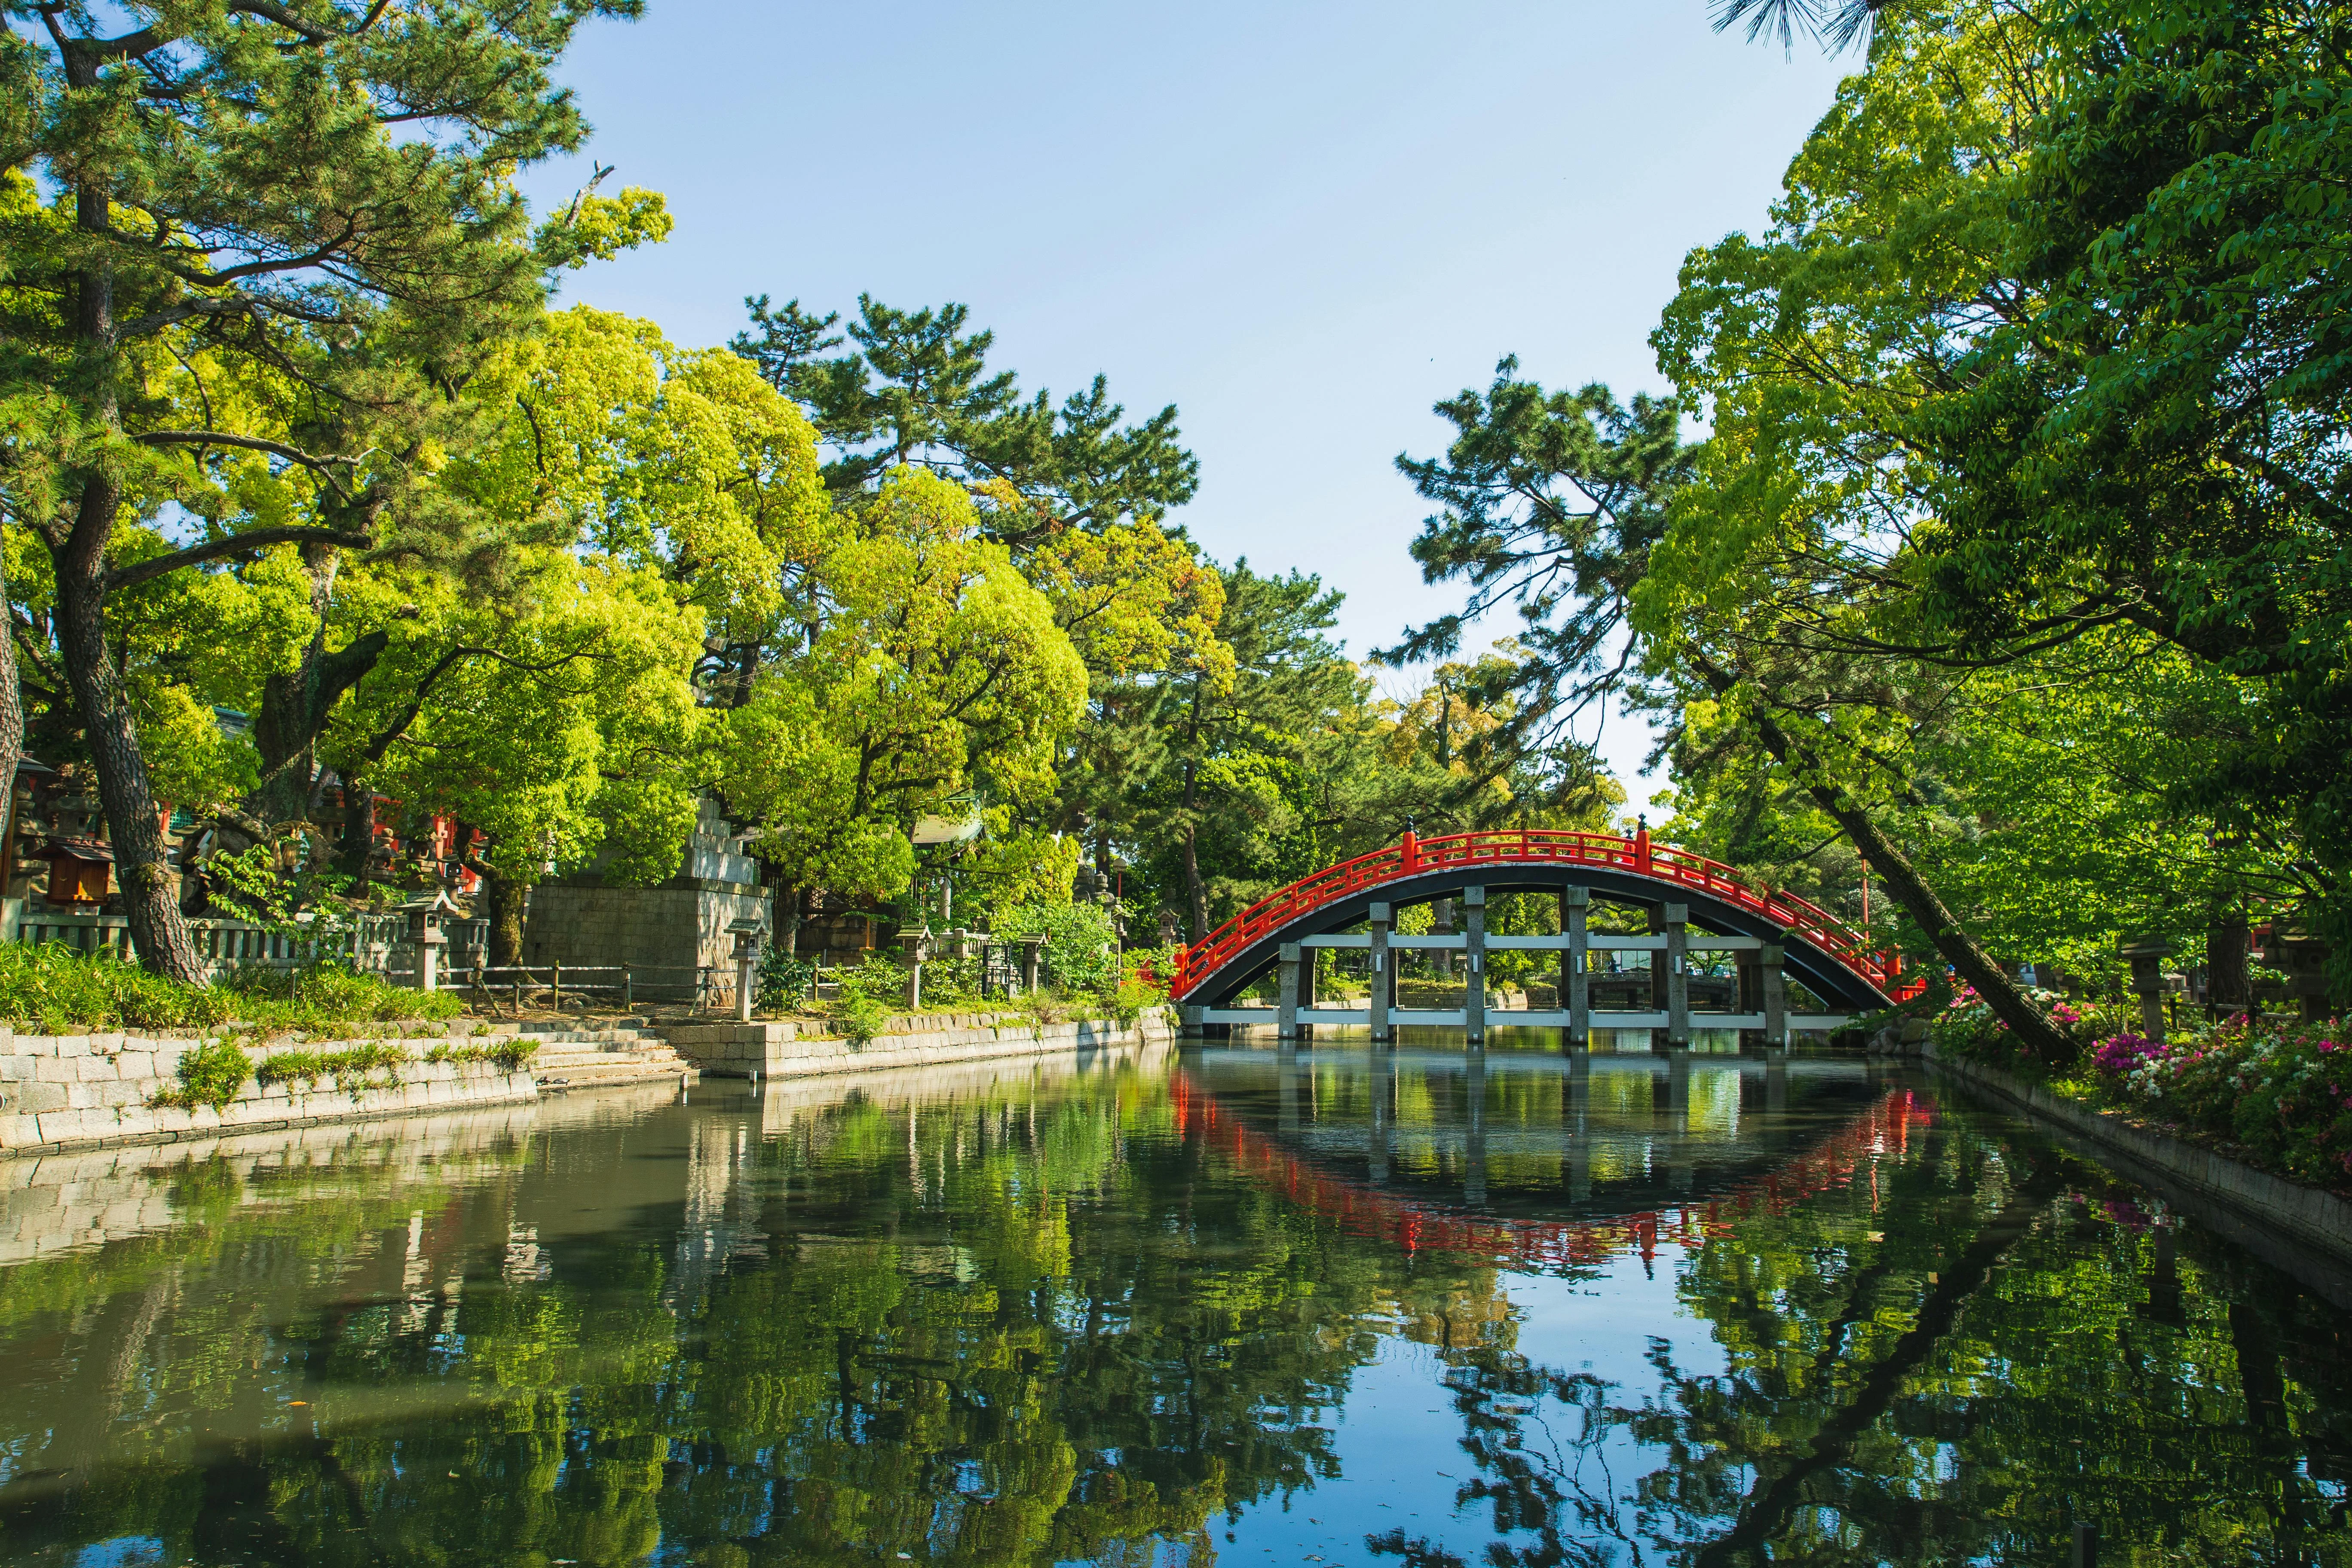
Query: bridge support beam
x=1670 y=974
x=1678 y=1026
x=1285 y=1014
x=1473 y=982
x=1383 y=976
x=1575 y=977
x=1775 y=983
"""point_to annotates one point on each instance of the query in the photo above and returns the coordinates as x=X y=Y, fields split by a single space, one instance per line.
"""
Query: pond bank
x=76 y=1092
x=783 y=1048
x=2263 y=1213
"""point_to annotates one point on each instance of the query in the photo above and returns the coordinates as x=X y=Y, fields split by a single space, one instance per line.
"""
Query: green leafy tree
x=305 y=208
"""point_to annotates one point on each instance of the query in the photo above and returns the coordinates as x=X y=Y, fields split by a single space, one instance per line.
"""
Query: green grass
x=511 y=1054
x=57 y=990
x=352 y=1067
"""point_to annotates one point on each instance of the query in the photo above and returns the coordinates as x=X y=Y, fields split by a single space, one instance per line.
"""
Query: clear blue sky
x=1302 y=223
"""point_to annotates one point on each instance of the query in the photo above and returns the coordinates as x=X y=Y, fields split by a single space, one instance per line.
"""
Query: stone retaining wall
x=59 y=1091
x=2279 y=1221
x=783 y=1050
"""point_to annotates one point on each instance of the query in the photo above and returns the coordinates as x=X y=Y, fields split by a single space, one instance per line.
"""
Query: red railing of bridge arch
x=1541 y=846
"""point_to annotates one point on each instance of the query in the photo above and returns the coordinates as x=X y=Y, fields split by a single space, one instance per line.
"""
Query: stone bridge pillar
x=1286 y=1017
x=1775 y=984
x=1576 y=978
x=1383 y=975
x=1474 y=979
x=1670 y=974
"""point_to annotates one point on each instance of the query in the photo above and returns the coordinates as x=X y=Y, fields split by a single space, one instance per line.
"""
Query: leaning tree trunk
x=2008 y=1001
x=12 y=727
x=141 y=855
x=506 y=898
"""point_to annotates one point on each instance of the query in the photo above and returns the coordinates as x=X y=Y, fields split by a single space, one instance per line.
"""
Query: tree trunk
x=12 y=737
x=2008 y=1001
x=506 y=898
x=150 y=899
x=142 y=856
x=296 y=703
x=1196 y=891
x=2226 y=982
x=359 y=829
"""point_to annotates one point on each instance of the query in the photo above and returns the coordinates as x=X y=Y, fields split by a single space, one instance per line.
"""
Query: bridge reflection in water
x=1540 y=1160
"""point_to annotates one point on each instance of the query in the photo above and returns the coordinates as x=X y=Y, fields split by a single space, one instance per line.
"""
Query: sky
x=1300 y=223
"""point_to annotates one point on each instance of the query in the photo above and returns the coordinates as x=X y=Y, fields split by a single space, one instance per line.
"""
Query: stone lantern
x=914 y=949
x=426 y=919
x=2148 y=955
x=751 y=933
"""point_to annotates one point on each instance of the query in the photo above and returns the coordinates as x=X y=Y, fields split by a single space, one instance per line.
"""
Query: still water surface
x=1234 y=1306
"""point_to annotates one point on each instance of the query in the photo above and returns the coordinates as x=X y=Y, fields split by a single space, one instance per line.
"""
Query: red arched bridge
x=1699 y=906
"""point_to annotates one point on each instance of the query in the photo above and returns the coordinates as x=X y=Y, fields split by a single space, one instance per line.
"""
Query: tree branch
x=213 y=549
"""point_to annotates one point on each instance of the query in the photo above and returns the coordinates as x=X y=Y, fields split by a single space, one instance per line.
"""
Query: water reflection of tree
x=1955 y=1363
x=1020 y=1327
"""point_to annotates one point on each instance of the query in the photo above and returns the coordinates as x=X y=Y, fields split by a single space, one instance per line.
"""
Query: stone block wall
x=674 y=927
x=69 y=1090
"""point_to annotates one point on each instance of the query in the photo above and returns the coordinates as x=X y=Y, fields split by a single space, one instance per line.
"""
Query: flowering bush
x=1967 y=1027
x=2279 y=1089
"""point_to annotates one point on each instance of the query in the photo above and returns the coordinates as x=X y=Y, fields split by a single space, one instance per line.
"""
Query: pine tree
x=288 y=230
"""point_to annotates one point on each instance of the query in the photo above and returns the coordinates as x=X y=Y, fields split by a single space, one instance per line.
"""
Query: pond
x=1232 y=1304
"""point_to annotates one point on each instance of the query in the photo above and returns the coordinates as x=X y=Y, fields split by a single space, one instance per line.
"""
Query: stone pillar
x=1775 y=986
x=1286 y=1015
x=1031 y=948
x=1576 y=988
x=2148 y=957
x=1383 y=976
x=1751 y=993
x=1675 y=918
x=428 y=956
x=1474 y=996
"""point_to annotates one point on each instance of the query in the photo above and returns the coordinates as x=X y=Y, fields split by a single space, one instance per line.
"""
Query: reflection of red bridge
x=1535 y=1244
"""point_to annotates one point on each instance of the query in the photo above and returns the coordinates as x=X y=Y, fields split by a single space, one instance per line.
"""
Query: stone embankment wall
x=59 y=1091
x=2302 y=1230
x=795 y=1050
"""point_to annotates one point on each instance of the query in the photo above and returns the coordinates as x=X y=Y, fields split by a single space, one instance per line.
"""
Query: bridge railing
x=1414 y=857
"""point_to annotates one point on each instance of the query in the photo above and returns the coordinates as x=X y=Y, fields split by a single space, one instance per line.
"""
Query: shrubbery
x=2278 y=1091
x=1081 y=946
x=55 y=989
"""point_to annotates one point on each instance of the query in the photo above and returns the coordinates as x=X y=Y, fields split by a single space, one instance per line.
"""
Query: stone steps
x=570 y=1057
